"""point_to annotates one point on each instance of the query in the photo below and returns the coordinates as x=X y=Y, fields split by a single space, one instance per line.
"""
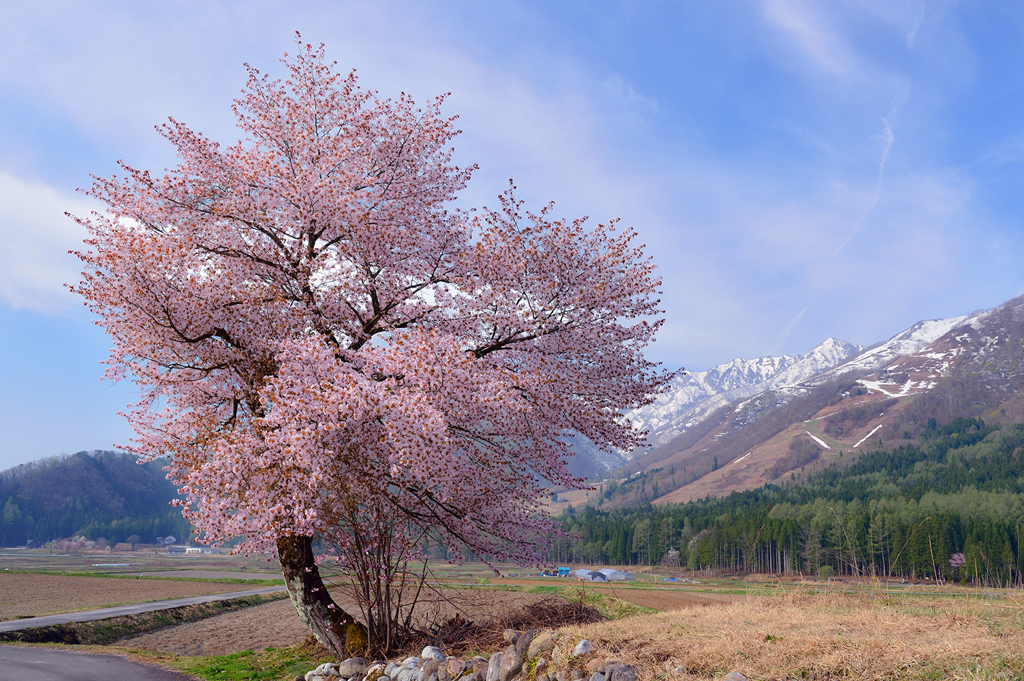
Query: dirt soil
x=34 y=595
x=276 y=624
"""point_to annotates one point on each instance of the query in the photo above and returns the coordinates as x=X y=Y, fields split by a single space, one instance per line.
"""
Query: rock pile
x=538 y=655
x=534 y=655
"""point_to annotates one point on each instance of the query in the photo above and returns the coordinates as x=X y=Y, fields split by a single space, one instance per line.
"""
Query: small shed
x=563 y=572
x=617 y=575
x=176 y=549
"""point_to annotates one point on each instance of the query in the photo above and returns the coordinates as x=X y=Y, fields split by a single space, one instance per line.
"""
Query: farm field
x=277 y=625
x=782 y=632
x=144 y=561
x=823 y=636
x=766 y=629
x=34 y=595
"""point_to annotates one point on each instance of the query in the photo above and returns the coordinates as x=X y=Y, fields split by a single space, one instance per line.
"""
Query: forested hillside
x=911 y=512
x=93 y=494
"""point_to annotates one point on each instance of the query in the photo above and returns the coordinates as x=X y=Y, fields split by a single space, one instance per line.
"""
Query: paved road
x=23 y=663
x=103 y=613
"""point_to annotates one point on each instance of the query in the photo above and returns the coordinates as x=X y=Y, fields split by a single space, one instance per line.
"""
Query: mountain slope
x=94 y=494
x=932 y=373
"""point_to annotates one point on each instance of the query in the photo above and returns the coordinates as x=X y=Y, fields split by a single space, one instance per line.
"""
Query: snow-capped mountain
x=908 y=342
x=692 y=396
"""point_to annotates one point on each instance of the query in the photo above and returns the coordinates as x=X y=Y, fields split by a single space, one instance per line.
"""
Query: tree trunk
x=333 y=627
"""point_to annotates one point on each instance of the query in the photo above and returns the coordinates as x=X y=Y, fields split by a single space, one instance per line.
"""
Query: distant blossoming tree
x=325 y=352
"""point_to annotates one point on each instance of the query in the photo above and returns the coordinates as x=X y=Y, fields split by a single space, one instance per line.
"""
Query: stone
x=523 y=643
x=541 y=643
x=510 y=635
x=561 y=675
x=622 y=672
x=734 y=676
x=430 y=667
x=577 y=674
x=597 y=676
x=455 y=667
x=541 y=665
x=595 y=666
x=374 y=671
x=353 y=666
x=492 y=667
x=432 y=653
x=299 y=678
x=511 y=663
x=411 y=662
x=582 y=648
x=391 y=667
x=480 y=667
x=442 y=672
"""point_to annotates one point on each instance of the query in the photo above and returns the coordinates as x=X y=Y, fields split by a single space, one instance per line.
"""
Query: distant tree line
x=95 y=495
x=950 y=506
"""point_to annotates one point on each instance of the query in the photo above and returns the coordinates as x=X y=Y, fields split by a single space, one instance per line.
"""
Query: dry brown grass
x=821 y=636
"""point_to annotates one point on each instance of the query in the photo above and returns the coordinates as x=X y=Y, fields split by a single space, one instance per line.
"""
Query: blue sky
x=799 y=170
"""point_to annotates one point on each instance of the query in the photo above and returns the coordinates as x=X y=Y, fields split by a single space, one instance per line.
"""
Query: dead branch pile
x=458 y=636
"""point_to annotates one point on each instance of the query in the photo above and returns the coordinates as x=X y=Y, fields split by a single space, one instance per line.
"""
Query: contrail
x=888 y=123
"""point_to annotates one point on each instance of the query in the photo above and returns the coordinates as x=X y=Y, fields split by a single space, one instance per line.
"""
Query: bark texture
x=333 y=627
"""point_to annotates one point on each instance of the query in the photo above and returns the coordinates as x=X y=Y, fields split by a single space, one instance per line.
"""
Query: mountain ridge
x=934 y=371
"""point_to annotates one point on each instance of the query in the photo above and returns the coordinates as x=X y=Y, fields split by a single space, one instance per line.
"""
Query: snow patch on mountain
x=692 y=396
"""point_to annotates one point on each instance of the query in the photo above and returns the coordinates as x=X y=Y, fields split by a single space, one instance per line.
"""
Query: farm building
x=591 y=576
x=617 y=575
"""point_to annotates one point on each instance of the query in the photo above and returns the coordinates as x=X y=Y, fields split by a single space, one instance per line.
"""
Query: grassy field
x=823 y=635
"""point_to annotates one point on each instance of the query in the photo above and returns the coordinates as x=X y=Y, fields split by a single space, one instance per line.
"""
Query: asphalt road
x=23 y=663
x=103 y=613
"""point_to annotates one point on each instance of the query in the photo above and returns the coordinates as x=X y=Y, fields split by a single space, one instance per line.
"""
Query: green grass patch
x=609 y=606
x=250 y=665
x=547 y=590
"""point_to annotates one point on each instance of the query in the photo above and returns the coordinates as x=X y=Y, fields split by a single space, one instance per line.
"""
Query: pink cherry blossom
x=319 y=338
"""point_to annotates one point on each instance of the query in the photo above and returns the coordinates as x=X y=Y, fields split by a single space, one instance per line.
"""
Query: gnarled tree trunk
x=334 y=628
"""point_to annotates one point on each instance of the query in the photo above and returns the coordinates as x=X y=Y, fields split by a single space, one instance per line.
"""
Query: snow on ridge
x=907 y=342
x=693 y=396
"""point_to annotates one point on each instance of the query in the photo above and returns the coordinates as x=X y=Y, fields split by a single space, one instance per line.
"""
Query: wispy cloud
x=912 y=33
x=35 y=237
x=811 y=32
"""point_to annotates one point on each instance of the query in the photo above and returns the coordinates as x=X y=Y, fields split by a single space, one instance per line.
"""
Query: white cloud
x=35 y=237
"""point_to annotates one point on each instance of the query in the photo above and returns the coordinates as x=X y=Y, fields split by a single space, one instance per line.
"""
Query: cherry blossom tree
x=324 y=348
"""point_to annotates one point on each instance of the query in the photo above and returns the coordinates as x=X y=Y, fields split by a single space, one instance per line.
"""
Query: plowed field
x=33 y=595
x=276 y=624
